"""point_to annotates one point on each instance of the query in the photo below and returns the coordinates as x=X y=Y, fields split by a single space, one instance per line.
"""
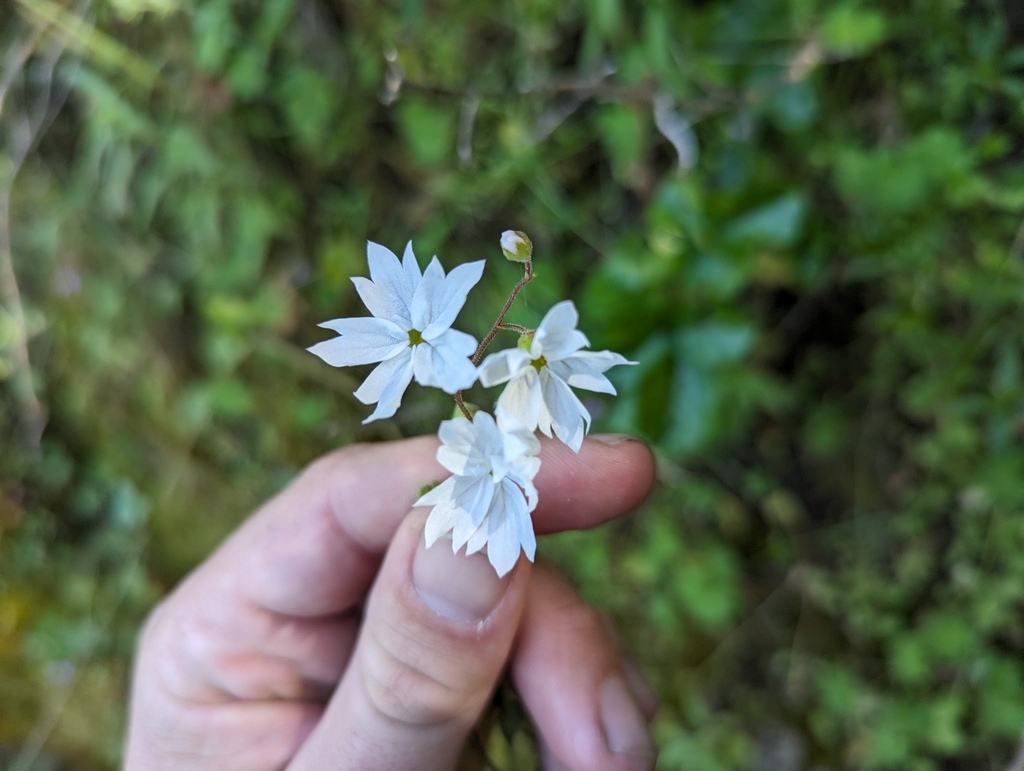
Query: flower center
x=415 y=338
x=539 y=362
x=499 y=468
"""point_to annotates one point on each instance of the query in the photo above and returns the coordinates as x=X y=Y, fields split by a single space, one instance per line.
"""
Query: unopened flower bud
x=516 y=246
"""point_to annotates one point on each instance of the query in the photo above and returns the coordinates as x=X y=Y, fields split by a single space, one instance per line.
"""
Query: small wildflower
x=410 y=332
x=488 y=499
x=540 y=371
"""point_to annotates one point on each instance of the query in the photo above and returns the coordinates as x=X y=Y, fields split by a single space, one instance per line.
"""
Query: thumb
x=437 y=632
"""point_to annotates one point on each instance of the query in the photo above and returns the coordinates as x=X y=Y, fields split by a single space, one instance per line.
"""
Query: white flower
x=539 y=376
x=410 y=334
x=489 y=498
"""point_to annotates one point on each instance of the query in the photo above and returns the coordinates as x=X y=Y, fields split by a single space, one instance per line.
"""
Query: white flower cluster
x=493 y=460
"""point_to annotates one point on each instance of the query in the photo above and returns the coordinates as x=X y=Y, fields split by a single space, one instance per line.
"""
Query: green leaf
x=849 y=30
x=622 y=129
x=778 y=223
x=429 y=130
x=706 y=585
x=215 y=33
x=715 y=343
x=309 y=102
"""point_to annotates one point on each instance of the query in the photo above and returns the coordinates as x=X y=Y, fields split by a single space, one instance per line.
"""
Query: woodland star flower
x=539 y=374
x=488 y=500
x=410 y=332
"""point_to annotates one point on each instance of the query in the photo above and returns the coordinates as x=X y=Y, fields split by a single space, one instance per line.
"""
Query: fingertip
x=610 y=475
x=643 y=692
x=574 y=684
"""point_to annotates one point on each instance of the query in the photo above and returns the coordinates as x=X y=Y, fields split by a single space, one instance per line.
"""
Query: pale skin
x=323 y=635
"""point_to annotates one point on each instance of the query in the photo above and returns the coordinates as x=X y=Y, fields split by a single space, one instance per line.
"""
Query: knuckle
x=183 y=647
x=406 y=690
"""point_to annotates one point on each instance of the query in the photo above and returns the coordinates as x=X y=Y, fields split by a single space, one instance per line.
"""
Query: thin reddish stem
x=526 y=279
x=462 y=406
x=499 y=324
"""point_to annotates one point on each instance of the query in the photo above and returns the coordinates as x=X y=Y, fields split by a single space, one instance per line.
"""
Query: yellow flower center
x=415 y=338
x=539 y=362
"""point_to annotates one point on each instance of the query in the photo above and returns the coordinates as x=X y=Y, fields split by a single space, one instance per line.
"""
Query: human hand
x=324 y=635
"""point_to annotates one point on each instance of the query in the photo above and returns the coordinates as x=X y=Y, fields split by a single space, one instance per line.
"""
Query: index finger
x=314 y=549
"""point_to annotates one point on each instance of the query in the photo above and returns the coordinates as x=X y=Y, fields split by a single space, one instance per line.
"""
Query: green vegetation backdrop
x=802 y=217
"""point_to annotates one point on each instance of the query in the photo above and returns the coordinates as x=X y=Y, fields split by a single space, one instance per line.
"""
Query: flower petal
x=522 y=522
x=468 y=446
x=411 y=268
x=457 y=342
x=584 y=369
x=443 y=516
x=457 y=442
x=478 y=538
x=437 y=494
x=386 y=385
x=521 y=400
x=422 y=299
x=517 y=441
x=460 y=508
x=440 y=521
x=389 y=274
x=469 y=463
x=563 y=412
x=474 y=499
x=383 y=302
x=361 y=341
x=503 y=366
x=557 y=336
x=443 y=367
x=447 y=298
x=503 y=537
x=474 y=507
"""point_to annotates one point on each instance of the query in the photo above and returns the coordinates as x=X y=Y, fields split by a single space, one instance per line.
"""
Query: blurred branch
x=394 y=78
x=467 y=119
x=1017 y=247
x=17 y=55
x=674 y=126
x=72 y=31
x=25 y=130
x=33 y=416
x=52 y=710
x=595 y=85
x=572 y=92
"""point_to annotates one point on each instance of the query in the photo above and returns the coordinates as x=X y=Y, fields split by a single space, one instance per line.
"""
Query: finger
x=437 y=632
x=315 y=548
x=590 y=710
x=609 y=476
x=242 y=736
x=202 y=652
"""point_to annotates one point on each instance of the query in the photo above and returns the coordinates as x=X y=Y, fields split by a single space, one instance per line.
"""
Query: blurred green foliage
x=802 y=217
